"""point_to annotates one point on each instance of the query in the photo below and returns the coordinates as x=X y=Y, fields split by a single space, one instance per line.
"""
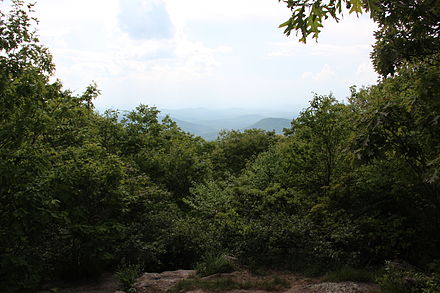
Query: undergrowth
x=347 y=273
x=127 y=275
x=214 y=264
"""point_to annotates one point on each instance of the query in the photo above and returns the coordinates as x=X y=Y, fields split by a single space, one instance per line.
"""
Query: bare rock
x=161 y=282
x=343 y=287
x=402 y=265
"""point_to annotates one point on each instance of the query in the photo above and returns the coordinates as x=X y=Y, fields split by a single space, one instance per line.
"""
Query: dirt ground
x=156 y=283
x=150 y=283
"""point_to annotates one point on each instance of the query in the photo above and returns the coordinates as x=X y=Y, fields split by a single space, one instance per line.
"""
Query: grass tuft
x=214 y=264
x=347 y=273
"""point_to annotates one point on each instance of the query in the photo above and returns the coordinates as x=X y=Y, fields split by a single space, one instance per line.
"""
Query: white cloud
x=196 y=67
x=351 y=36
x=227 y=10
x=62 y=16
x=150 y=60
x=294 y=48
x=145 y=19
x=365 y=72
x=326 y=74
x=88 y=44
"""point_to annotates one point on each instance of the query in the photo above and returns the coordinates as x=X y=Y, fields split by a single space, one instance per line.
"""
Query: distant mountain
x=194 y=128
x=203 y=114
x=210 y=136
x=208 y=123
x=269 y=124
x=196 y=115
x=209 y=130
x=233 y=122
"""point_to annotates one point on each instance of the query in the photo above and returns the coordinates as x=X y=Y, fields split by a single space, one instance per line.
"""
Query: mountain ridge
x=209 y=131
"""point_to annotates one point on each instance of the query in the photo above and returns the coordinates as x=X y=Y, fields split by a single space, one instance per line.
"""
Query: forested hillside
x=348 y=184
x=272 y=124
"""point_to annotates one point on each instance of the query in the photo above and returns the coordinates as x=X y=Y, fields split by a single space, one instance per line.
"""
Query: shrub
x=214 y=264
x=127 y=275
x=347 y=273
x=405 y=279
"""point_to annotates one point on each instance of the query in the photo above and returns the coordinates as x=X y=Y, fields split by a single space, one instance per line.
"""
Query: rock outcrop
x=161 y=282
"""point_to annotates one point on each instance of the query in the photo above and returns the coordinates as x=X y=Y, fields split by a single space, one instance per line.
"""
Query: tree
x=171 y=157
x=408 y=30
x=25 y=66
x=79 y=191
x=234 y=149
x=19 y=43
x=323 y=129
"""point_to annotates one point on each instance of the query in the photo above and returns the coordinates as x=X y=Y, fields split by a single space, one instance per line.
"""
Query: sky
x=201 y=53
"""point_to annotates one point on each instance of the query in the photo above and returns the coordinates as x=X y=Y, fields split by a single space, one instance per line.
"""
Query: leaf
x=284 y=24
x=356 y=6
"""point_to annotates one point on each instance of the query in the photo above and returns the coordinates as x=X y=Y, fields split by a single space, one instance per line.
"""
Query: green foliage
x=287 y=200
x=320 y=133
x=398 y=278
x=347 y=273
x=213 y=264
x=308 y=15
x=234 y=149
x=398 y=143
x=127 y=275
x=406 y=121
x=408 y=31
x=353 y=184
x=211 y=219
x=172 y=158
x=21 y=51
x=75 y=196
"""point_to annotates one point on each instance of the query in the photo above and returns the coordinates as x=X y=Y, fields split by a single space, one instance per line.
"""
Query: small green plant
x=347 y=273
x=397 y=279
x=434 y=266
x=127 y=275
x=214 y=264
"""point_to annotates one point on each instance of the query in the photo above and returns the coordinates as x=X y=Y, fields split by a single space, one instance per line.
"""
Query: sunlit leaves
x=19 y=44
x=407 y=31
x=308 y=15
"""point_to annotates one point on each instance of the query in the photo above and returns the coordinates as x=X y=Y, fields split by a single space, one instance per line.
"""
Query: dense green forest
x=348 y=184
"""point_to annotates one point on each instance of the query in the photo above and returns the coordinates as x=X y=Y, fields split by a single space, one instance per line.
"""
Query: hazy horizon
x=274 y=112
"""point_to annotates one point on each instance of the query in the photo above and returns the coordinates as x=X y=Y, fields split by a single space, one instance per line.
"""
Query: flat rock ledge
x=342 y=287
x=161 y=282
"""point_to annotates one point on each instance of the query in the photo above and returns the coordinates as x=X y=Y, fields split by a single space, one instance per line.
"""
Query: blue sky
x=200 y=53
